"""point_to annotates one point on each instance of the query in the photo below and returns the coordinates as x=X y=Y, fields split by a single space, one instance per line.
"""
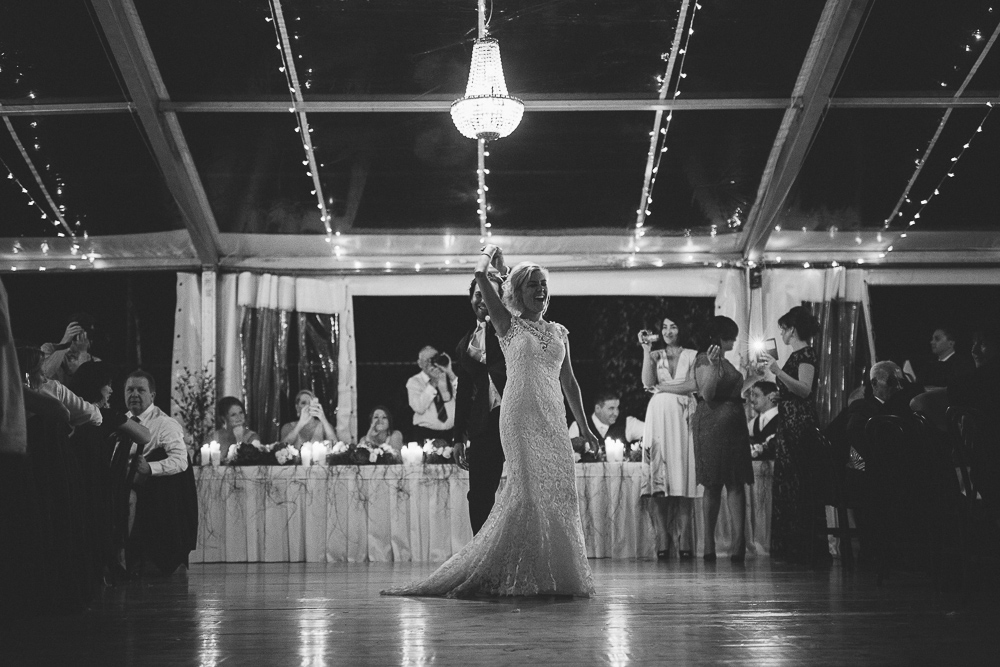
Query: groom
x=482 y=375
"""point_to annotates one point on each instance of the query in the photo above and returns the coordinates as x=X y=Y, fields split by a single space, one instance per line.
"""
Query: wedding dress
x=532 y=543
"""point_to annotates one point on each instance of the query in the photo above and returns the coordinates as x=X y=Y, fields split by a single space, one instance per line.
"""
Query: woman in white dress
x=532 y=543
x=669 y=374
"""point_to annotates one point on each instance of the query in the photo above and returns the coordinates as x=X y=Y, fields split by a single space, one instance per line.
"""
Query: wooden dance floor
x=645 y=613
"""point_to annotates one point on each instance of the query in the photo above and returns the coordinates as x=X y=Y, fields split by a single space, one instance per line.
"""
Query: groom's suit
x=478 y=424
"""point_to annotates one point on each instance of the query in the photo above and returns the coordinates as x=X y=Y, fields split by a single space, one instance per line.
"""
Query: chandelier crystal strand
x=487 y=111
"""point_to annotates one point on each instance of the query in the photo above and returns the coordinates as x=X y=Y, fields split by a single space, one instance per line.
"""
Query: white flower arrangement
x=232 y=452
x=339 y=448
x=286 y=455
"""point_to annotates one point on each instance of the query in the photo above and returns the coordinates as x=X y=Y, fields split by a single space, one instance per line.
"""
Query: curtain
x=838 y=344
x=318 y=356
x=264 y=346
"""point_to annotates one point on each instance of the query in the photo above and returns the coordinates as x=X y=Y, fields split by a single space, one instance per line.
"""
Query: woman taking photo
x=668 y=373
x=794 y=514
x=721 y=439
x=381 y=432
x=312 y=425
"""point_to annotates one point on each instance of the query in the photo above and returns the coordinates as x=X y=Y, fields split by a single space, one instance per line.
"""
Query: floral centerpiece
x=376 y=455
x=438 y=451
x=246 y=454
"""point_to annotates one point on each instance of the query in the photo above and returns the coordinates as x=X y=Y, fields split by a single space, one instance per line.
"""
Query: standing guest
x=794 y=514
x=604 y=420
x=380 y=432
x=103 y=487
x=668 y=373
x=234 y=431
x=166 y=510
x=312 y=424
x=721 y=441
x=63 y=358
x=482 y=375
x=30 y=359
x=948 y=365
x=981 y=391
x=432 y=396
x=764 y=426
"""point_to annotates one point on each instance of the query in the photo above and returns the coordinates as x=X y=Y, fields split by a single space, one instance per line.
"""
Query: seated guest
x=63 y=358
x=431 y=394
x=234 y=430
x=764 y=425
x=890 y=395
x=605 y=421
x=948 y=364
x=166 y=511
x=312 y=426
x=30 y=358
x=380 y=431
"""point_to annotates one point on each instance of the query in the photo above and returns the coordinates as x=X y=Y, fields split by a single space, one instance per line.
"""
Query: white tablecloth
x=412 y=513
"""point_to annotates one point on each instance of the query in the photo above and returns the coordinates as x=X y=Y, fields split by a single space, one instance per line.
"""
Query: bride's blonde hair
x=514 y=284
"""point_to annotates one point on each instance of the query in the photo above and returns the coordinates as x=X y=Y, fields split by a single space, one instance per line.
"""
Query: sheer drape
x=318 y=355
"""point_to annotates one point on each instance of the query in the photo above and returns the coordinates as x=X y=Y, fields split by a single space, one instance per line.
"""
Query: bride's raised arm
x=499 y=315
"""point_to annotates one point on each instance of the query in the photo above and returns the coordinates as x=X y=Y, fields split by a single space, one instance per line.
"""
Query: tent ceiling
x=163 y=130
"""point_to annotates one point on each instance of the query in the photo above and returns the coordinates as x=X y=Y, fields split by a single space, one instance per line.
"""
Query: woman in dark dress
x=721 y=439
x=794 y=514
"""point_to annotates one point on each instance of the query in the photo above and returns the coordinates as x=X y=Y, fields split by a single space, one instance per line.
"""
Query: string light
x=12 y=70
x=922 y=161
x=658 y=142
x=302 y=122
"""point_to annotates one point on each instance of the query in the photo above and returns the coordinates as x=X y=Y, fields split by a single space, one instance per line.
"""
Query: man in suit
x=948 y=364
x=764 y=426
x=482 y=375
x=890 y=395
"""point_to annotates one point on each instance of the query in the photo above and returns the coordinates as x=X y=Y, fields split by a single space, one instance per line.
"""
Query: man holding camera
x=432 y=396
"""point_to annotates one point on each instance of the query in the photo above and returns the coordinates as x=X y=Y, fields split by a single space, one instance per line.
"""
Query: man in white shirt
x=167 y=434
x=166 y=506
x=431 y=394
x=605 y=421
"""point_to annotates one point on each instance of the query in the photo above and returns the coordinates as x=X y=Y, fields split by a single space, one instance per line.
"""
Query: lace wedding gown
x=532 y=542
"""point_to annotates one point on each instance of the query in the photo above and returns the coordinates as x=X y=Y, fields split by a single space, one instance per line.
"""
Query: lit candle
x=306 y=453
x=614 y=450
x=412 y=454
x=214 y=447
x=206 y=455
x=319 y=453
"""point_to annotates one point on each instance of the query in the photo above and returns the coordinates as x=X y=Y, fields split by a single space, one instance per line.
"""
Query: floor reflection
x=209 y=621
x=413 y=633
x=617 y=632
x=314 y=630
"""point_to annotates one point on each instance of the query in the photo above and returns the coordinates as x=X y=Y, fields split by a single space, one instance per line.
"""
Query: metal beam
x=131 y=50
x=829 y=49
x=407 y=105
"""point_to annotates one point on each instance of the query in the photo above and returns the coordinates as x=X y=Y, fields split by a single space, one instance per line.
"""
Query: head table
x=384 y=513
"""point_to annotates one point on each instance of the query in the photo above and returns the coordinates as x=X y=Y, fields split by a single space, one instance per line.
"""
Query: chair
x=123 y=464
x=914 y=492
x=828 y=488
x=965 y=435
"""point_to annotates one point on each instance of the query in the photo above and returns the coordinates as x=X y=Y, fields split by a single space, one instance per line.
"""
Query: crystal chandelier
x=487 y=111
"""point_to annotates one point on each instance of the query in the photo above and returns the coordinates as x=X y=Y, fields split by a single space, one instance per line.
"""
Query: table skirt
x=416 y=513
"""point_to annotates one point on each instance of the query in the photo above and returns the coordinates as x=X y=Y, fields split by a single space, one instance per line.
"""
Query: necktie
x=442 y=412
x=135 y=419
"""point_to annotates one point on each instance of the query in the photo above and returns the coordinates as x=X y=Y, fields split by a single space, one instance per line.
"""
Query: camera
x=649 y=337
x=440 y=359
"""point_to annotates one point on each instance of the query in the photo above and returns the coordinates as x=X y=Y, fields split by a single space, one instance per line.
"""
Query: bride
x=532 y=542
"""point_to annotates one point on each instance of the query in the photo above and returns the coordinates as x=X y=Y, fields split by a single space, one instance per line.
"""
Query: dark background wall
x=390 y=331
x=904 y=318
x=134 y=313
